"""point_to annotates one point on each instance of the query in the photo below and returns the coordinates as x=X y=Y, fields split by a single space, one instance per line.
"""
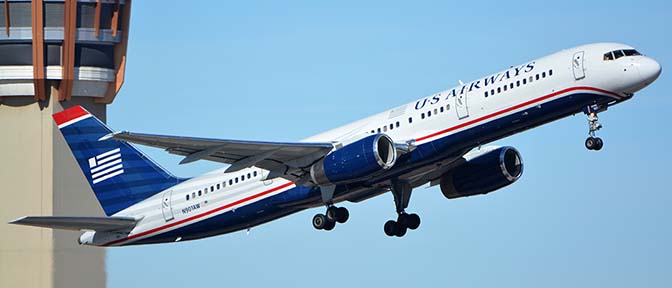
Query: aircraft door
x=461 y=105
x=578 y=66
x=166 y=207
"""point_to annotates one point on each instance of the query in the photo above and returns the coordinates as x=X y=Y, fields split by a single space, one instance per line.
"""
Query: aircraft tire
x=320 y=221
x=598 y=144
x=390 y=228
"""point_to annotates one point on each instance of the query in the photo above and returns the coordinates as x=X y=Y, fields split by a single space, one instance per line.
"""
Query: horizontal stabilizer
x=79 y=223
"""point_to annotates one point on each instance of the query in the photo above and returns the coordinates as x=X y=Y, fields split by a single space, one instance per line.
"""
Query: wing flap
x=78 y=223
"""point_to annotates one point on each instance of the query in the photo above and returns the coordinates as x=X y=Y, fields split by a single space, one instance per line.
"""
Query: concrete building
x=53 y=55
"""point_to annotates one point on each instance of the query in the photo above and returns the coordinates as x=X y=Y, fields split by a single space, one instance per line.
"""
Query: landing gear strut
x=401 y=190
x=593 y=142
x=328 y=220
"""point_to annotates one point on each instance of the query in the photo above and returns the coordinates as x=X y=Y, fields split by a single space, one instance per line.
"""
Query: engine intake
x=483 y=174
x=356 y=161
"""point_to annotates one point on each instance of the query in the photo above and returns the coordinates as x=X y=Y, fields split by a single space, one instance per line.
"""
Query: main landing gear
x=401 y=190
x=593 y=142
x=328 y=220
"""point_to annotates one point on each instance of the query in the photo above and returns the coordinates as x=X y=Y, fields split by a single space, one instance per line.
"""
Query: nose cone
x=649 y=69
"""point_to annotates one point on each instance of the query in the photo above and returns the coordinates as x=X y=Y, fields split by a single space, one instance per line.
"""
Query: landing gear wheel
x=598 y=144
x=591 y=143
x=320 y=221
x=329 y=225
x=413 y=221
x=342 y=215
x=401 y=231
x=390 y=228
x=394 y=228
x=332 y=213
x=338 y=214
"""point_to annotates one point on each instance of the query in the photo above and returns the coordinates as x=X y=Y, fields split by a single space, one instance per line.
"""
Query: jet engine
x=483 y=174
x=356 y=161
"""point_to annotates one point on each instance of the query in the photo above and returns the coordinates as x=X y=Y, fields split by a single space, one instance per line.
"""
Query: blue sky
x=284 y=70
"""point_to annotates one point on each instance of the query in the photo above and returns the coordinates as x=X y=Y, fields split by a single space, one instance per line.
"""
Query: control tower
x=53 y=55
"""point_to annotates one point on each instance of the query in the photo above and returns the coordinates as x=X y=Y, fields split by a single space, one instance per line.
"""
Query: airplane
x=436 y=140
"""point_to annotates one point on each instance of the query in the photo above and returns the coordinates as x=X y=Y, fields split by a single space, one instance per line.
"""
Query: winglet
x=70 y=116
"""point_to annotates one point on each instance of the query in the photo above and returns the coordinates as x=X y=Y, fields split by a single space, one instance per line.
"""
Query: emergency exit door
x=166 y=206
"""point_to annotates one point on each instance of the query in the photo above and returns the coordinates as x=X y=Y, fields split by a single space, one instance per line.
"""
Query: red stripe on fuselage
x=246 y=199
x=69 y=114
x=515 y=107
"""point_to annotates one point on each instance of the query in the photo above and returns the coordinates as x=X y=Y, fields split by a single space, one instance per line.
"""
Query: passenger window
x=543 y=74
x=550 y=72
x=236 y=179
x=486 y=93
x=511 y=85
x=422 y=115
x=199 y=193
x=187 y=197
x=492 y=92
x=397 y=124
x=391 y=126
x=249 y=175
x=254 y=174
x=429 y=113
x=212 y=188
x=618 y=54
x=524 y=81
x=499 y=89
x=518 y=83
x=505 y=87
x=436 y=111
x=537 y=77
x=230 y=182
x=531 y=79
x=378 y=130
x=384 y=128
x=447 y=107
x=218 y=187
x=193 y=195
x=410 y=120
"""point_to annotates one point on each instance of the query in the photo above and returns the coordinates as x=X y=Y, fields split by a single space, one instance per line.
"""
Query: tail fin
x=119 y=174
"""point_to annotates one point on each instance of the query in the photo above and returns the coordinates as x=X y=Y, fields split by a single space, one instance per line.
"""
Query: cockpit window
x=613 y=55
x=608 y=56
x=631 y=52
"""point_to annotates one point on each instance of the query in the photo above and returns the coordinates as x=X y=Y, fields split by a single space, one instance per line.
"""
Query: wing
x=290 y=160
x=78 y=223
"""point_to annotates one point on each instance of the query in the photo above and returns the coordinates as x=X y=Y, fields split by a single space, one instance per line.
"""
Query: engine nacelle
x=356 y=161
x=483 y=174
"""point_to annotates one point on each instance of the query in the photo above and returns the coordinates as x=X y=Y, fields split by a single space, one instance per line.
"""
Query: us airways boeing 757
x=433 y=140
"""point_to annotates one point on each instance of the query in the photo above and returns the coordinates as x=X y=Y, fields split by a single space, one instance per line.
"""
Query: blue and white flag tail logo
x=106 y=165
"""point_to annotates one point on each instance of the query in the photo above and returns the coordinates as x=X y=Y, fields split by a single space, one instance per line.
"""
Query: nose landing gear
x=593 y=142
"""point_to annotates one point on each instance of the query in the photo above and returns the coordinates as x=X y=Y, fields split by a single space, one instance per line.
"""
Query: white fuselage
x=516 y=91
